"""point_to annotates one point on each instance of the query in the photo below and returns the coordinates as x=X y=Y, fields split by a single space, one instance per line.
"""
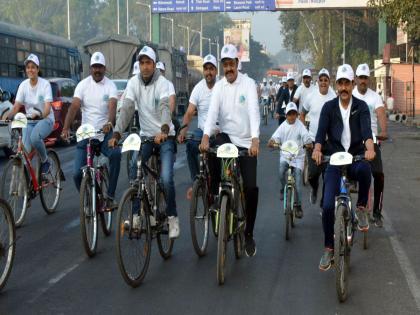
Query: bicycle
x=7 y=242
x=142 y=216
x=345 y=224
x=21 y=182
x=93 y=191
x=265 y=110
x=230 y=214
x=272 y=108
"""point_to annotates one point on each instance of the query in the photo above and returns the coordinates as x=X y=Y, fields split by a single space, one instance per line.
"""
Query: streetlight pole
x=209 y=40
x=118 y=17
x=188 y=37
x=172 y=30
x=150 y=18
x=218 y=55
x=344 y=36
x=68 y=19
x=126 y=6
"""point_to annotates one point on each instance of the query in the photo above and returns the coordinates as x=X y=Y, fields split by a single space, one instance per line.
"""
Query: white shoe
x=173 y=227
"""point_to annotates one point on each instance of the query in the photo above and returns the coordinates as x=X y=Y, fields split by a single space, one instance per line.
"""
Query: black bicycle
x=7 y=242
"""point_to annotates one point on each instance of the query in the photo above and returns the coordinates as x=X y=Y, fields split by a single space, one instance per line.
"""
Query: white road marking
x=180 y=162
x=72 y=224
x=404 y=262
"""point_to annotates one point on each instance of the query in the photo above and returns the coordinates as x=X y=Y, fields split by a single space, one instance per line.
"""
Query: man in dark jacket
x=344 y=125
x=284 y=96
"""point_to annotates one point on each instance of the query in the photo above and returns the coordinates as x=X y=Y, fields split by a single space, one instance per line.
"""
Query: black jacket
x=331 y=127
x=284 y=96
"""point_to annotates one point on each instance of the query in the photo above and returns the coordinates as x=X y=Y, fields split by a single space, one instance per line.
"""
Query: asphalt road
x=53 y=275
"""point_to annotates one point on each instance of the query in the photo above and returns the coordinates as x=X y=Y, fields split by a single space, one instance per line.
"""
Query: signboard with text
x=319 y=4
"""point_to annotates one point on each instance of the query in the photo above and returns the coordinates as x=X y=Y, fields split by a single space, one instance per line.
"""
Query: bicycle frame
x=291 y=182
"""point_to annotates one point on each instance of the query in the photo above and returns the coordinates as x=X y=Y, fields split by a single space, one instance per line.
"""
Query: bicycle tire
x=222 y=240
x=288 y=213
x=239 y=234
x=199 y=192
x=365 y=240
x=341 y=253
x=134 y=280
x=54 y=179
x=90 y=242
x=15 y=187
x=306 y=171
x=7 y=248
x=165 y=244
x=105 y=217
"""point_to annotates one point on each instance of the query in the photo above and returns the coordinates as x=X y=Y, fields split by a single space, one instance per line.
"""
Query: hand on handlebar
x=317 y=157
x=370 y=155
x=271 y=143
x=113 y=142
x=181 y=137
x=161 y=137
x=65 y=134
x=255 y=147
x=107 y=127
x=205 y=144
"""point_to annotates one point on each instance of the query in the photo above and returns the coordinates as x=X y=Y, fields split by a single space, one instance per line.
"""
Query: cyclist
x=35 y=95
x=292 y=129
x=312 y=109
x=285 y=96
x=272 y=91
x=97 y=97
x=344 y=125
x=149 y=91
x=304 y=89
x=171 y=89
x=234 y=103
x=377 y=115
x=199 y=102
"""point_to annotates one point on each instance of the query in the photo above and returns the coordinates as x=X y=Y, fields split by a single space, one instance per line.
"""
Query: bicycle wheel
x=341 y=253
x=239 y=226
x=106 y=217
x=199 y=217
x=165 y=244
x=288 y=212
x=222 y=240
x=7 y=242
x=134 y=239
x=50 y=184
x=88 y=217
x=14 y=189
x=306 y=171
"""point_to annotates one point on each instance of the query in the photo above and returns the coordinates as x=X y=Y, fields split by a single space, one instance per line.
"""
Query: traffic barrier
x=403 y=118
x=395 y=117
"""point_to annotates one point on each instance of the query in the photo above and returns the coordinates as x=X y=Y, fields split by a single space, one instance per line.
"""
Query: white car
x=5 y=107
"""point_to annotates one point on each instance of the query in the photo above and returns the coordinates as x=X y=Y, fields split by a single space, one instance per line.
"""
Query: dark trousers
x=248 y=167
x=281 y=119
x=378 y=181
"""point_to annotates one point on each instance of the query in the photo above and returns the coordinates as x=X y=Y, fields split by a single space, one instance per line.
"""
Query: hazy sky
x=265 y=28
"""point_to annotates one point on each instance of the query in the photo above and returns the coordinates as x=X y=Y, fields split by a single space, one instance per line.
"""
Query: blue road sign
x=192 y=6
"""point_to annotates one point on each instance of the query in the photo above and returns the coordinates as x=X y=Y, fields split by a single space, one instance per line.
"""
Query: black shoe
x=313 y=196
x=298 y=211
x=378 y=218
x=250 y=248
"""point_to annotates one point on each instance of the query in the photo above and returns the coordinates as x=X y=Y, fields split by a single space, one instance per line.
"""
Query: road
x=52 y=274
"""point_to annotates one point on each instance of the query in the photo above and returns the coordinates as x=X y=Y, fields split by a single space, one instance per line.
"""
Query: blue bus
x=58 y=56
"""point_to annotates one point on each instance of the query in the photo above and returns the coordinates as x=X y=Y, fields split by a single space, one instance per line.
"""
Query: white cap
x=291 y=106
x=284 y=79
x=136 y=68
x=33 y=58
x=323 y=71
x=290 y=76
x=229 y=51
x=160 y=65
x=149 y=52
x=306 y=73
x=97 y=58
x=264 y=80
x=271 y=80
x=210 y=59
x=345 y=72
x=362 y=70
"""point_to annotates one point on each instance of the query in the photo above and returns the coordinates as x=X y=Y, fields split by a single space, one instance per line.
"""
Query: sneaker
x=282 y=194
x=313 y=196
x=362 y=218
x=45 y=167
x=326 y=259
x=136 y=223
x=250 y=248
x=110 y=204
x=173 y=227
x=298 y=211
x=378 y=218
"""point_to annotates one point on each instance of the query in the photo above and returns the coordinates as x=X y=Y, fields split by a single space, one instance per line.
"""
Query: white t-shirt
x=265 y=91
x=313 y=106
x=171 y=88
x=148 y=99
x=346 y=135
x=235 y=106
x=35 y=96
x=200 y=98
x=302 y=93
x=373 y=101
x=95 y=97
x=296 y=132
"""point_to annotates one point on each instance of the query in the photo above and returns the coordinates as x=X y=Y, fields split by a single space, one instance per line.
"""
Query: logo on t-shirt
x=41 y=99
x=106 y=98
x=242 y=99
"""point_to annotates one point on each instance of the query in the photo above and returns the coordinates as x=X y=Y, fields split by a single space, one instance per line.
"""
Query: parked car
x=5 y=107
x=62 y=90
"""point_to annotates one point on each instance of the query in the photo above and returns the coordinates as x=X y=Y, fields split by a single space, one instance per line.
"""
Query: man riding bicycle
x=304 y=89
x=149 y=90
x=344 y=125
x=234 y=104
x=97 y=97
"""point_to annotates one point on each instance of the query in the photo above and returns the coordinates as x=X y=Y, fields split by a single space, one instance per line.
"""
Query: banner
x=319 y=4
x=239 y=37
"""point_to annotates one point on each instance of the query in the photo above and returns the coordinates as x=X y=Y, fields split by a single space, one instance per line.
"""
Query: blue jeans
x=114 y=156
x=167 y=160
x=284 y=166
x=359 y=171
x=34 y=135
x=193 y=152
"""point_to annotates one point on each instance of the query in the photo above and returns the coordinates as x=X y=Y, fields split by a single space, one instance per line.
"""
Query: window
x=20 y=56
x=4 y=71
x=22 y=44
x=67 y=90
x=54 y=89
x=51 y=50
x=38 y=47
x=12 y=70
x=7 y=41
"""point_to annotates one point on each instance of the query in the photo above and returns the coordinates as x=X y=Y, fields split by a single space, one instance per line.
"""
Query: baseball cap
x=136 y=68
x=345 y=72
x=147 y=51
x=323 y=71
x=290 y=76
x=362 y=70
x=264 y=80
x=229 y=51
x=284 y=79
x=97 y=58
x=210 y=59
x=33 y=58
x=160 y=65
x=291 y=106
x=306 y=73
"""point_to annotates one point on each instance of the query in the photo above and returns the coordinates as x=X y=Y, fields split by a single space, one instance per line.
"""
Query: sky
x=265 y=28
